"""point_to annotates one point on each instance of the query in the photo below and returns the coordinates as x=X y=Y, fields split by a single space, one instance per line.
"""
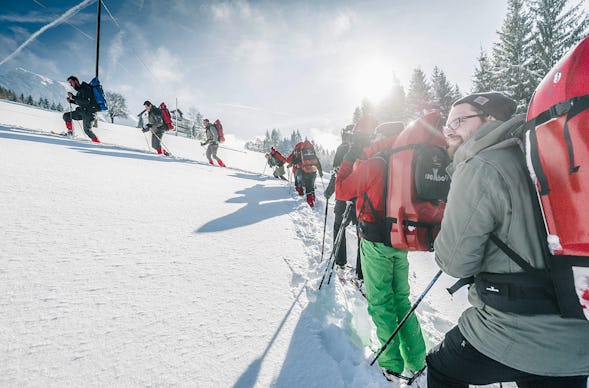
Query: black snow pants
x=455 y=363
x=86 y=117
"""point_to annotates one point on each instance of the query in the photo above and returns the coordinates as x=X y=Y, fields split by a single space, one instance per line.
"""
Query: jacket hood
x=491 y=135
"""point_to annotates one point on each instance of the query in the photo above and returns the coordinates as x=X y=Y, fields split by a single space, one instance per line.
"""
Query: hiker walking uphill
x=155 y=125
x=385 y=268
x=340 y=206
x=213 y=140
x=86 y=109
x=305 y=166
x=276 y=165
x=501 y=337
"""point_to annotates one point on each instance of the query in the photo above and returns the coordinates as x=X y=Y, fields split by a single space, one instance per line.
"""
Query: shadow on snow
x=262 y=202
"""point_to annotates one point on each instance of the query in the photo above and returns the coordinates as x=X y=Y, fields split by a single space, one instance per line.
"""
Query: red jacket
x=295 y=156
x=365 y=176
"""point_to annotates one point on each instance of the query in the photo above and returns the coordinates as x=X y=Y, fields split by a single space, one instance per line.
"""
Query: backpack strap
x=571 y=107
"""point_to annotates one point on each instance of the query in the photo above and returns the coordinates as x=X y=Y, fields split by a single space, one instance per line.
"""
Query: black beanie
x=147 y=102
x=494 y=104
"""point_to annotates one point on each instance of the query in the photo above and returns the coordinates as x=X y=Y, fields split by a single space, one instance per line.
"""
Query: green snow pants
x=386 y=278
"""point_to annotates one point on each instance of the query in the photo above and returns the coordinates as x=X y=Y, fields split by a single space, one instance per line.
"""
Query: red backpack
x=309 y=161
x=557 y=155
x=417 y=184
x=166 y=116
x=219 y=127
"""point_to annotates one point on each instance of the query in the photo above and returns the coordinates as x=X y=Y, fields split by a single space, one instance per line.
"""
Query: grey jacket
x=489 y=193
x=212 y=134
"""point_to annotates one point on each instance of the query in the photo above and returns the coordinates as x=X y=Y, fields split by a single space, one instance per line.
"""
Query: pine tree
x=559 y=26
x=483 y=79
x=356 y=116
x=512 y=54
x=443 y=92
x=419 y=95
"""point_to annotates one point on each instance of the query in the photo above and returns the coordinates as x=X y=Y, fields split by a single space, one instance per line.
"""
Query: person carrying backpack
x=212 y=141
x=305 y=166
x=340 y=205
x=86 y=109
x=157 y=127
x=363 y=175
x=276 y=165
x=489 y=200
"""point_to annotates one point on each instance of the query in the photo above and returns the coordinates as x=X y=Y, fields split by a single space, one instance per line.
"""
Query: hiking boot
x=392 y=376
x=311 y=199
x=69 y=134
x=95 y=140
x=221 y=163
x=299 y=190
x=166 y=153
x=340 y=270
x=211 y=163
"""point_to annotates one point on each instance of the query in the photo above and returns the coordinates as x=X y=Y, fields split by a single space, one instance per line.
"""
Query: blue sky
x=257 y=65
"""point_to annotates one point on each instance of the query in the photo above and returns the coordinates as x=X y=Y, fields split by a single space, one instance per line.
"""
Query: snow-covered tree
x=512 y=54
x=117 y=105
x=559 y=26
x=444 y=94
x=419 y=95
x=483 y=79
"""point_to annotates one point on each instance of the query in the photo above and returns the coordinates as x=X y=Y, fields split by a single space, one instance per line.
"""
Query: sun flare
x=371 y=79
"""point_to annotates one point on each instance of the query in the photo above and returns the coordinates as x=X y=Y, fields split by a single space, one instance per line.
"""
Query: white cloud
x=165 y=65
x=342 y=22
x=116 y=48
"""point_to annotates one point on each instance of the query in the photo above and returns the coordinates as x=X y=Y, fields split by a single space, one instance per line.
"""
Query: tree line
x=8 y=94
x=533 y=36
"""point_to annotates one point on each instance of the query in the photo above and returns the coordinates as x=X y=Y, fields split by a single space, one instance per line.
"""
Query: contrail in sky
x=65 y=16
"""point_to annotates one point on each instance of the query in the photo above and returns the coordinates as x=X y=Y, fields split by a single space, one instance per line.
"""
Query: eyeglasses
x=455 y=124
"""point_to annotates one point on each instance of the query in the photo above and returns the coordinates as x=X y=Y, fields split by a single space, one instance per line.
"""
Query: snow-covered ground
x=120 y=267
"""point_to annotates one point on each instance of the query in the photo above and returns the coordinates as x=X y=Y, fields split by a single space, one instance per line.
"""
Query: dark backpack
x=166 y=116
x=98 y=93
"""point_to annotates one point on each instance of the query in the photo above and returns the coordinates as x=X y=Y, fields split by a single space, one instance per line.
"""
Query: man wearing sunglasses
x=490 y=195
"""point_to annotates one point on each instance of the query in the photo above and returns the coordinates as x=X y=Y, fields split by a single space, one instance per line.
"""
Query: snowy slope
x=27 y=83
x=120 y=267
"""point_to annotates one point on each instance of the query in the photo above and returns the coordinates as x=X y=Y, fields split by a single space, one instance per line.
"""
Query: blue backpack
x=98 y=94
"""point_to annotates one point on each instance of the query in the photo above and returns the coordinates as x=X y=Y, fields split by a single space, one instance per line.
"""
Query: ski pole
x=161 y=142
x=265 y=164
x=146 y=142
x=324 y=226
x=406 y=317
x=231 y=149
x=336 y=245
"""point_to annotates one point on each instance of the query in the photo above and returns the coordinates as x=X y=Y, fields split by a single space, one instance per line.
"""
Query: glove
x=148 y=126
x=144 y=129
x=330 y=189
x=202 y=144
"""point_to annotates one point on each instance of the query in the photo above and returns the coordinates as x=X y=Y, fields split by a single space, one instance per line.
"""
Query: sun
x=371 y=78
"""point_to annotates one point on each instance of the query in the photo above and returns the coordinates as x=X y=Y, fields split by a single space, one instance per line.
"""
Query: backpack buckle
x=561 y=108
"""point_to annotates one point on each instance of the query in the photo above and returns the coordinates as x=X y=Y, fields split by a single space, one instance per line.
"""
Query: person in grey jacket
x=490 y=194
x=157 y=127
x=212 y=141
